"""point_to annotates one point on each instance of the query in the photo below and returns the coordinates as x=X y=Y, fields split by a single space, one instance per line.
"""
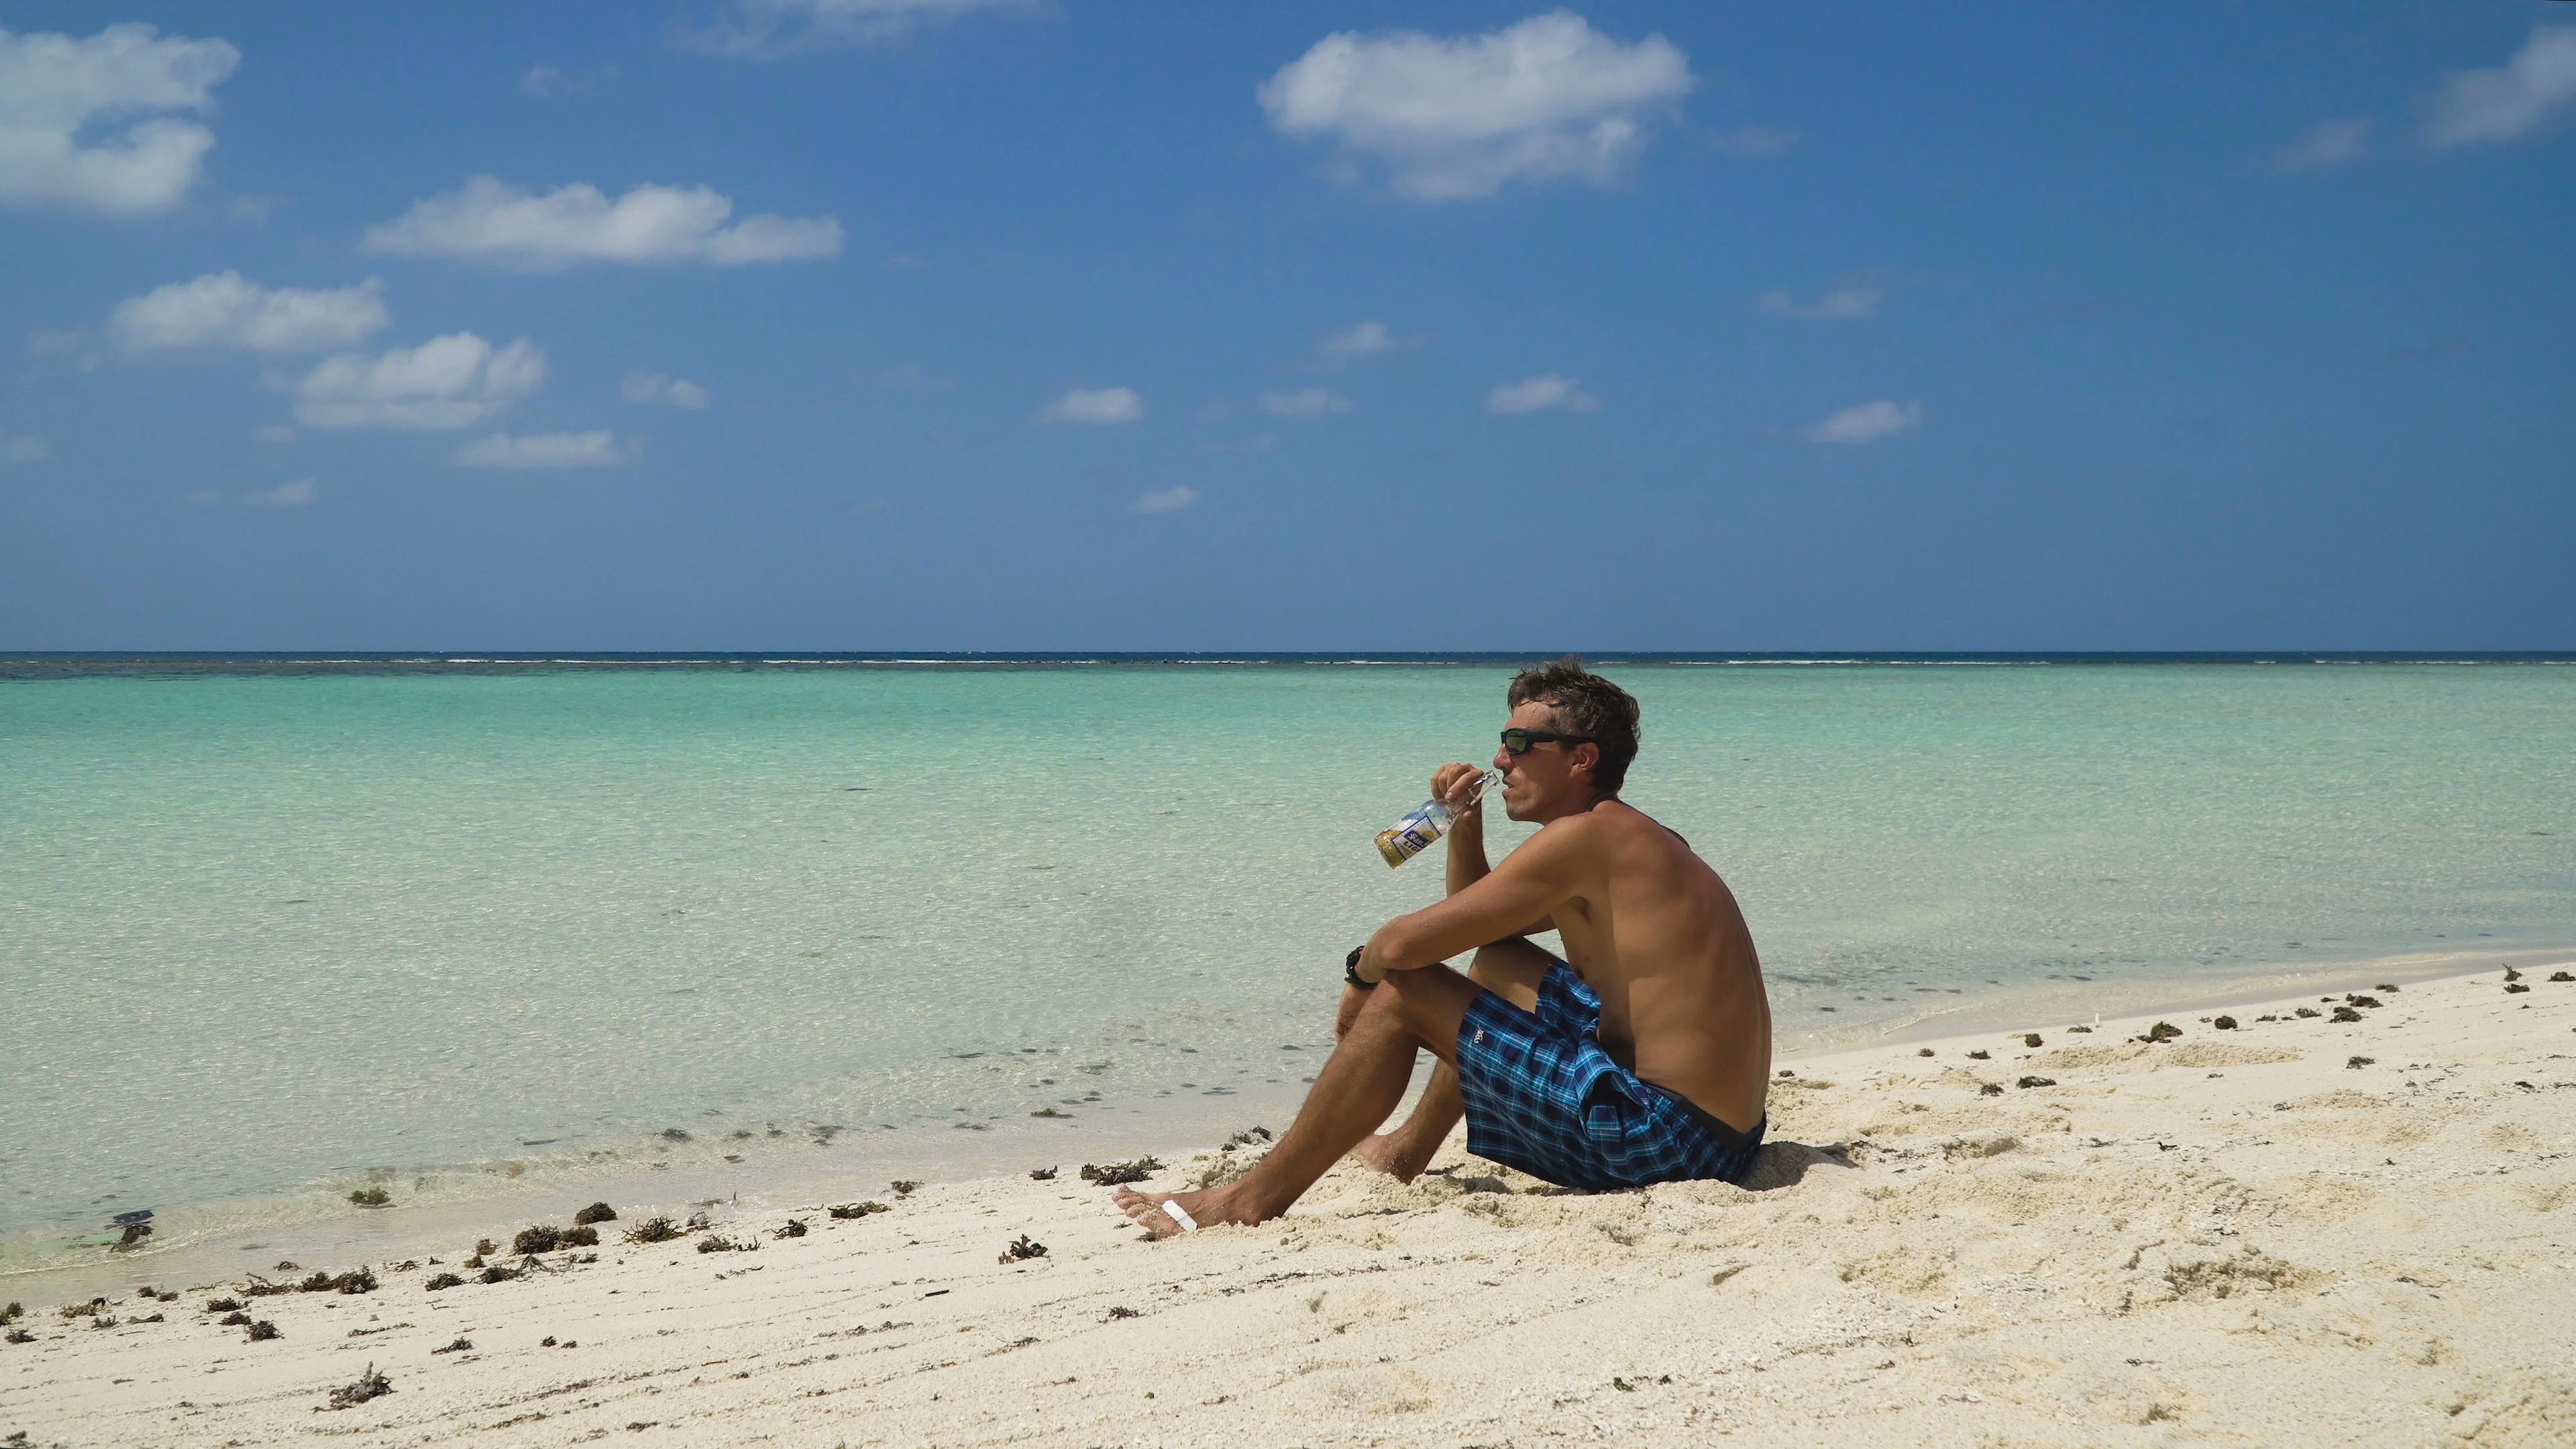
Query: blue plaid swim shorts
x=1542 y=1096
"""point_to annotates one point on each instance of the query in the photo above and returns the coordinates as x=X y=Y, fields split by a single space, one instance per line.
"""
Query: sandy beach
x=2302 y=1230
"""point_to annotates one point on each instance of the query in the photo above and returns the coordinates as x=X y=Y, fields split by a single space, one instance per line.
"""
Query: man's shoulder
x=1605 y=826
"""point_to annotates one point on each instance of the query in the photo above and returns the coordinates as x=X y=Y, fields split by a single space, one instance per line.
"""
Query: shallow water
x=261 y=931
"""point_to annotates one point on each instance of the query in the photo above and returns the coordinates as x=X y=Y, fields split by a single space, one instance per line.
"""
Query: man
x=1642 y=1057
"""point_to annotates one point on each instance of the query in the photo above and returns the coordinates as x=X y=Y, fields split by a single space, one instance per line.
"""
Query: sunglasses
x=1518 y=741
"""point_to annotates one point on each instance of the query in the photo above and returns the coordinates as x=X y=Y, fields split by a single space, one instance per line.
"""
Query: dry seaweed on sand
x=1117 y=1312
x=2225 y=1023
x=792 y=1228
x=1042 y=1174
x=1112 y=1174
x=653 y=1230
x=2031 y=1039
x=1022 y=1249
x=543 y=1238
x=459 y=1346
x=443 y=1280
x=2345 y=1013
x=18 y=1335
x=498 y=1274
x=2354 y=1064
x=719 y=1243
x=263 y=1331
x=901 y=1187
x=356 y=1280
x=598 y=1212
x=2306 y=1011
x=582 y=1237
x=848 y=1210
x=371 y=1197
x=2162 y=1031
x=2037 y=1082
x=1979 y=1055
x=370 y=1385
x=234 y=1319
x=320 y=1282
x=1991 y=1089
x=91 y=1309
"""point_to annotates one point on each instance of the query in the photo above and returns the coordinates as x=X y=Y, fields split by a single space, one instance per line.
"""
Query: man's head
x=1598 y=723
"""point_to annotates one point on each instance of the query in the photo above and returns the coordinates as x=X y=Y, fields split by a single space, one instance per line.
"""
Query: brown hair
x=1588 y=705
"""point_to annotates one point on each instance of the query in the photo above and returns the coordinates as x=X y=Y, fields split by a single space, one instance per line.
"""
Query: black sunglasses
x=1518 y=741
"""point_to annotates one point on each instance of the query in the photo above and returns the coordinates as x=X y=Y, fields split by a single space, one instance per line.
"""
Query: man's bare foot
x=1386 y=1153
x=1206 y=1209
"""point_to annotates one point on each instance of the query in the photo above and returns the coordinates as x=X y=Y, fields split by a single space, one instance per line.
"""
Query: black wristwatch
x=1351 y=970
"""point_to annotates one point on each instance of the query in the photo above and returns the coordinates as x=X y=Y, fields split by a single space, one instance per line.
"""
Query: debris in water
x=371 y=1197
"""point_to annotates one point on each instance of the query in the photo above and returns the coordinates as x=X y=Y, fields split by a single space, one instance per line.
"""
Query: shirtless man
x=1643 y=1057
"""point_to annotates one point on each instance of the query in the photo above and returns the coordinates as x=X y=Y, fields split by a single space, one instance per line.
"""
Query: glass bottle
x=1430 y=820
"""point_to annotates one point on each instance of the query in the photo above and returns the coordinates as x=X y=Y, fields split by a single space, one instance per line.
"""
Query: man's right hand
x=1448 y=780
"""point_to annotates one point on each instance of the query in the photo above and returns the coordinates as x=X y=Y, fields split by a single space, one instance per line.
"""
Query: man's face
x=1546 y=776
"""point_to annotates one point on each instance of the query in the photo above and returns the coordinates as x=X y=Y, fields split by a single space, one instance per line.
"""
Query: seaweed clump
x=1113 y=1173
x=1041 y=1174
x=598 y=1212
x=653 y=1230
x=2225 y=1023
x=371 y=1197
x=370 y=1385
x=2345 y=1013
x=848 y=1210
x=263 y=1331
x=443 y=1280
x=539 y=1239
x=792 y=1228
x=2160 y=1032
x=498 y=1274
x=1022 y=1249
x=2037 y=1082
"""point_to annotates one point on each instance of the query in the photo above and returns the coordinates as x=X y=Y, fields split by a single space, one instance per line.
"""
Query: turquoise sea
x=272 y=929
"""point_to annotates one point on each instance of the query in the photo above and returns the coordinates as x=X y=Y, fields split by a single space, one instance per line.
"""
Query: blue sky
x=955 y=324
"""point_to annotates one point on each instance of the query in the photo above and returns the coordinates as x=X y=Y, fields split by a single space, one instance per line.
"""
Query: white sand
x=2234 y=1238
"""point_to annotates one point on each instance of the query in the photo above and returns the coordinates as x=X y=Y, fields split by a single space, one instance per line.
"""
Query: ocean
x=275 y=929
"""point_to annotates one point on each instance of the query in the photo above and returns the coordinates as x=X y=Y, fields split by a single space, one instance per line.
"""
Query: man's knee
x=1511 y=969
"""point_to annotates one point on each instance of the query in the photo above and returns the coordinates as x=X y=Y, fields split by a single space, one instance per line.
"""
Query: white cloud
x=766 y=29
x=1538 y=394
x=298 y=494
x=546 y=82
x=1848 y=299
x=61 y=98
x=678 y=392
x=1361 y=339
x=222 y=309
x=1455 y=118
x=543 y=450
x=23 y=448
x=453 y=381
x=491 y=221
x=1753 y=141
x=2324 y=146
x=2509 y=101
x=1308 y=402
x=1168 y=500
x=1094 y=405
x=1868 y=423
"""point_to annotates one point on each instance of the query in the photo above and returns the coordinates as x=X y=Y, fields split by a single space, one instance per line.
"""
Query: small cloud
x=1868 y=423
x=1365 y=339
x=453 y=381
x=225 y=310
x=491 y=222
x=1847 y=300
x=676 y=392
x=543 y=450
x=2325 y=145
x=1095 y=405
x=1168 y=500
x=1753 y=141
x=86 y=124
x=906 y=262
x=273 y=433
x=1456 y=118
x=769 y=29
x=547 y=83
x=298 y=494
x=23 y=448
x=2509 y=101
x=1309 y=402
x=1538 y=394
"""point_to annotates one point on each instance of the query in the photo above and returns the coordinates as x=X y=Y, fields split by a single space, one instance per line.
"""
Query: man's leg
x=1360 y=1084
x=1512 y=969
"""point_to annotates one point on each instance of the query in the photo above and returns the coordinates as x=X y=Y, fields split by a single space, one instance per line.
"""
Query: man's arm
x=1529 y=885
x=1467 y=862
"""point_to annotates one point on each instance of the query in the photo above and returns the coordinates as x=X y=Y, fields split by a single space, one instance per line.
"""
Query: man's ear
x=1579 y=761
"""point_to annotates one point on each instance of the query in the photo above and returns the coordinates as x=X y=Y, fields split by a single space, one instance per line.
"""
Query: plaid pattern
x=1542 y=1096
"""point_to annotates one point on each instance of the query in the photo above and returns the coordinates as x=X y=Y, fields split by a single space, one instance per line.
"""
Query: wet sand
x=2299 y=1231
